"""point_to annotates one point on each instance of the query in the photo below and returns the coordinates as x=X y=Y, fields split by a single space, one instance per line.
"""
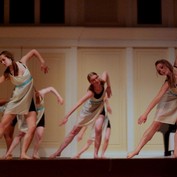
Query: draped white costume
x=167 y=108
x=22 y=94
x=90 y=110
x=22 y=125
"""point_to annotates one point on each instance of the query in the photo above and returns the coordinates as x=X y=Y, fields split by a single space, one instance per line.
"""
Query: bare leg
x=38 y=138
x=31 y=122
x=66 y=142
x=5 y=122
x=15 y=142
x=87 y=145
x=106 y=142
x=98 y=134
x=148 y=134
x=8 y=136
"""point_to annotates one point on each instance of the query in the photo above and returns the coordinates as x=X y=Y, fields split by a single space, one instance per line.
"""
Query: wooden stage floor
x=61 y=167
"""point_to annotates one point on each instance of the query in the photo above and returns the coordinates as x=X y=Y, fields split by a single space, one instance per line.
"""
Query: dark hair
x=10 y=56
x=170 y=78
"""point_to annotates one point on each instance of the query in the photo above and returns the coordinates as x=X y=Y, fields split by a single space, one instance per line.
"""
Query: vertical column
x=71 y=96
x=130 y=101
x=171 y=54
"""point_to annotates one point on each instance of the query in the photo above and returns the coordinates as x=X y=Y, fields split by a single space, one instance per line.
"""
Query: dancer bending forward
x=93 y=111
x=167 y=105
x=39 y=103
x=21 y=102
x=106 y=130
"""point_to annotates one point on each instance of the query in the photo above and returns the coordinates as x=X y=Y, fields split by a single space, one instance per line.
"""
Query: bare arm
x=51 y=90
x=88 y=95
x=35 y=53
x=105 y=77
x=153 y=103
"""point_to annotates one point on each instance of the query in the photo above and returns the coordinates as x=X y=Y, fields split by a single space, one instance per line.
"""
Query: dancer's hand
x=60 y=101
x=142 y=119
x=63 y=121
x=44 y=68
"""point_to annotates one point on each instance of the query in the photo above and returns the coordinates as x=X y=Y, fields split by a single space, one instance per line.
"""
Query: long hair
x=10 y=56
x=171 y=77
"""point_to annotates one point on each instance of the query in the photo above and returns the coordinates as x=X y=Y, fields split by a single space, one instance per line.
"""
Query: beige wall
x=128 y=54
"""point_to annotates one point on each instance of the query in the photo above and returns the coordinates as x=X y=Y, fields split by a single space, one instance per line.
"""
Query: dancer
x=93 y=111
x=167 y=105
x=21 y=102
x=39 y=103
x=106 y=131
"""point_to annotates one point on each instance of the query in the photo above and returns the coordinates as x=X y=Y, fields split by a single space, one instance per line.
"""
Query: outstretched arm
x=154 y=102
x=88 y=95
x=35 y=53
x=105 y=77
x=44 y=91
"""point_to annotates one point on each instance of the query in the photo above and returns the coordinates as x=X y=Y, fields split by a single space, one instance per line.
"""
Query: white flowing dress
x=167 y=108
x=40 y=109
x=22 y=94
x=90 y=110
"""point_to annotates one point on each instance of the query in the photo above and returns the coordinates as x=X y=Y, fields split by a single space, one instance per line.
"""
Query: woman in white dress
x=167 y=105
x=21 y=102
x=106 y=130
x=40 y=123
x=92 y=112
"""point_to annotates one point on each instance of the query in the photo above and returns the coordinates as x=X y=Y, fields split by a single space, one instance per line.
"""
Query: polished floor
x=110 y=167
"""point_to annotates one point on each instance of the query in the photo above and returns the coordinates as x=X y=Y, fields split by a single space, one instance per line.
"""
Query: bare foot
x=132 y=154
x=76 y=157
x=25 y=157
x=54 y=155
x=103 y=157
x=9 y=157
x=36 y=157
x=96 y=156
